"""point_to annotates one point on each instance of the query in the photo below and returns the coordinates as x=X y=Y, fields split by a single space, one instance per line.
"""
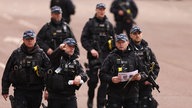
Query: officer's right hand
x=94 y=53
x=116 y=79
x=5 y=96
x=62 y=46
x=49 y=51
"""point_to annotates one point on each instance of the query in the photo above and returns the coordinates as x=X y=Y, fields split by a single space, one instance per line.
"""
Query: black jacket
x=19 y=69
x=57 y=83
x=95 y=35
x=53 y=34
x=67 y=7
x=123 y=5
x=146 y=57
x=110 y=69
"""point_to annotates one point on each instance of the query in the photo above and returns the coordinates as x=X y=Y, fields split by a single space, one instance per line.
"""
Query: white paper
x=126 y=75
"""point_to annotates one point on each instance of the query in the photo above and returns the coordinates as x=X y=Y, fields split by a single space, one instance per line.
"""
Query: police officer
x=122 y=72
x=124 y=11
x=25 y=70
x=53 y=33
x=96 y=38
x=146 y=56
x=66 y=77
x=67 y=7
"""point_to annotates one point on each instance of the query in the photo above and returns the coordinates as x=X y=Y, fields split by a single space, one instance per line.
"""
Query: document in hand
x=126 y=75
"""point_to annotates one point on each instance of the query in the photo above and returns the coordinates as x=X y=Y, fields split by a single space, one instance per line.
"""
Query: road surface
x=166 y=25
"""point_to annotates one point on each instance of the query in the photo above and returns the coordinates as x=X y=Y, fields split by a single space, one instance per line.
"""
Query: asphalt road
x=166 y=25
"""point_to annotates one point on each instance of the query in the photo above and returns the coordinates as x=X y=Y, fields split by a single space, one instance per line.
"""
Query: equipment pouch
x=56 y=82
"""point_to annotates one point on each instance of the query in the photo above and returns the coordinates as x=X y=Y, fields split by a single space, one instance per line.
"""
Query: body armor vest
x=126 y=7
x=123 y=64
x=23 y=72
x=58 y=80
x=58 y=34
x=101 y=34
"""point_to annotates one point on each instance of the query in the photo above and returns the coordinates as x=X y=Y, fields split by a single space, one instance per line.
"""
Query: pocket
x=20 y=76
x=55 y=82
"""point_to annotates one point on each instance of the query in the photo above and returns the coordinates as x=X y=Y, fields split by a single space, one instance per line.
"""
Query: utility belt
x=28 y=87
x=63 y=95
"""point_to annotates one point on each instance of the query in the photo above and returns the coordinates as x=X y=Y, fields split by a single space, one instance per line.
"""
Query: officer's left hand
x=147 y=83
x=137 y=77
x=77 y=80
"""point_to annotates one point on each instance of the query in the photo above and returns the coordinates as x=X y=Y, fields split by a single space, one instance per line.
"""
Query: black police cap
x=70 y=41
x=29 y=34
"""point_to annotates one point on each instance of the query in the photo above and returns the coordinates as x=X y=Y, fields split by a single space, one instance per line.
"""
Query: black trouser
x=146 y=99
x=147 y=102
x=27 y=99
x=101 y=95
x=121 y=26
x=62 y=102
x=92 y=84
x=122 y=102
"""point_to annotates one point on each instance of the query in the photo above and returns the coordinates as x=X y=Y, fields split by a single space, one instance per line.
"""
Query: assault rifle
x=12 y=100
x=151 y=77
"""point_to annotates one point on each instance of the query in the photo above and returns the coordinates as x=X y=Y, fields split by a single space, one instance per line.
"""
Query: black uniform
x=99 y=35
x=28 y=83
x=126 y=21
x=146 y=57
x=65 y=68
x=67 y=6
x=53 y=34
x=120 y=95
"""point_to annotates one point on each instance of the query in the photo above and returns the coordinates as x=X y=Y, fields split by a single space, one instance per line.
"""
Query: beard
x=56 y=21
x=137 y=42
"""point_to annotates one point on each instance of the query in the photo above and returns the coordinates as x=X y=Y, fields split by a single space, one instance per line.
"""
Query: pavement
x=166 y=25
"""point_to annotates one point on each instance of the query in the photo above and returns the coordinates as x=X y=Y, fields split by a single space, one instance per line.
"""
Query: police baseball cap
x=29 y=34
x=56 y=9
x=122 y=37
x=70 y=41
x=100 y=5
x=135 y=29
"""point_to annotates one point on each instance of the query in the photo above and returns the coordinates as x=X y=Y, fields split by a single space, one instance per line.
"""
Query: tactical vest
x=58 y=79
x=58 y=34
x=126 y=7
x=23 y=72
x=123 y=64
x=101 y=34
x=143 y=54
